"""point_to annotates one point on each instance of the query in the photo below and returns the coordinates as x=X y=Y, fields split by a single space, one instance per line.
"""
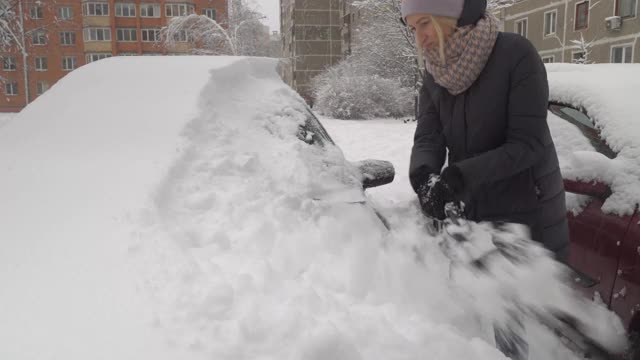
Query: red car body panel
x=626 y=291
x=606 y=248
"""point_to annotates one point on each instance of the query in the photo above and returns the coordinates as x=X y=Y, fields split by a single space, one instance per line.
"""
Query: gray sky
x=271 y=9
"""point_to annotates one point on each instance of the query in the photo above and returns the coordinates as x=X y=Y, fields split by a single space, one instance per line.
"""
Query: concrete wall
x=312 y=39
x=559 y=46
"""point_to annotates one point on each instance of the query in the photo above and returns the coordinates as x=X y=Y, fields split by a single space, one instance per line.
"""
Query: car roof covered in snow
x=608 y=93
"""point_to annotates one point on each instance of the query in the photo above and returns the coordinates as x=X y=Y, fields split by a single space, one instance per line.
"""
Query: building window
x=548 y=59
x=68 y=63
x=178 y=9
x=125 y=10
x=150 y=10
x=626 y=8
x=67 y=38
x=41 y=63
x=35 y=12
x=9 y=63
x=95 y=9
x=11 y=88
x=550 y=22
x=97 y=34
x=521 y=27
x=622 y=54
x=582 y=15
x=210 y=13
x=65 y=13
x=180 y=36
x=41 y=87
x=150 y=35
x=95 y=57
x=126 y=35
x=39 y=38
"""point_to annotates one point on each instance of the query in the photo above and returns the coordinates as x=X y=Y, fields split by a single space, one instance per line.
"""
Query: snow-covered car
x=184 y=194
x=594 y=116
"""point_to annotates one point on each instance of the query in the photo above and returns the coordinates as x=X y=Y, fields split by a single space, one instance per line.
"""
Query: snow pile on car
x=608 y=94
x=180 y=217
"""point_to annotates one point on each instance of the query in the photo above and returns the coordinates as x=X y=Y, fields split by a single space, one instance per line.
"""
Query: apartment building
x=62 y=35
x=351 y=20
x=612 y=27
x=311 y=33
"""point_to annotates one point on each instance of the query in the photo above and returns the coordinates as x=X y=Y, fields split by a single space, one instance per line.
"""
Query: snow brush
x=498 y=264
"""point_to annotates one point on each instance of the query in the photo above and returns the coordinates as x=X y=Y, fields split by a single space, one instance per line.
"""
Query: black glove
x=439 y=191
x=453 y=178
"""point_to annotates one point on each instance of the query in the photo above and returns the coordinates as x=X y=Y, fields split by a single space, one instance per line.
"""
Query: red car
x=595 y=122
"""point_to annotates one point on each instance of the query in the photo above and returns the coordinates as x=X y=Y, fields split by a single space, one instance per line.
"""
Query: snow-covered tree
x=382 y=44
x=493 y=5
x=347 y=91
x=242 y=34
x=14 y=34
x=584 y=48
x=384 y=52
x=11 y=24
x=379 y=77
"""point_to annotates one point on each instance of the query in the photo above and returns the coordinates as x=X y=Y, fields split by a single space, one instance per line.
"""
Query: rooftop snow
x=609 y=95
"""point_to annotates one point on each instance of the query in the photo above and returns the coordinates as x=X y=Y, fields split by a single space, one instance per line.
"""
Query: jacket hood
x=472 y=11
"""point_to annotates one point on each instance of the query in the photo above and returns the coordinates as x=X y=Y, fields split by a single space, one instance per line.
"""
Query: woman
x=484 y=99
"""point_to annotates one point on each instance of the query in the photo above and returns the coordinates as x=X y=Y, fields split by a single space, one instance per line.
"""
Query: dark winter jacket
x=497 y=135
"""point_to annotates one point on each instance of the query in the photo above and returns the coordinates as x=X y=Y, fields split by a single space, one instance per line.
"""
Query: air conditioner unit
x=613 y=23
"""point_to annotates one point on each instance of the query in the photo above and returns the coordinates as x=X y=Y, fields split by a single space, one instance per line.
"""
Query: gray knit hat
x=450 y=8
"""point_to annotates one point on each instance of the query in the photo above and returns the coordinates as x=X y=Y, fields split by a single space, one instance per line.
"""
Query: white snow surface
x=74 y=166
x=174 y=219
x=180 y=217
x=608 y=93
x=568 y=140
x=5 y=118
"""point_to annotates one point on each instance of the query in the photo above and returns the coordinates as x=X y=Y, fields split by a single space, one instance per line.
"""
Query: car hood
x=133 y=175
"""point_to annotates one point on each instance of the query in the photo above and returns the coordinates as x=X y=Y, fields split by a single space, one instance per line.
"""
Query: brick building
x=62 y=35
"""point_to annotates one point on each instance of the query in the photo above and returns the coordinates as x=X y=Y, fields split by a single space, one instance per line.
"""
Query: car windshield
x=312 y=132
x=586 y=126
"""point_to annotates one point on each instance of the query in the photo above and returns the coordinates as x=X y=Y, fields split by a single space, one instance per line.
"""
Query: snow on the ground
x=608 y=93
x=381 y=139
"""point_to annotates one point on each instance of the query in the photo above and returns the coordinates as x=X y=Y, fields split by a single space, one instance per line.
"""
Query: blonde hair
x=440 y=24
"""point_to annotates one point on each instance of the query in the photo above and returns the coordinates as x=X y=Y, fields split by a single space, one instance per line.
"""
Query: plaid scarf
x=466 y=53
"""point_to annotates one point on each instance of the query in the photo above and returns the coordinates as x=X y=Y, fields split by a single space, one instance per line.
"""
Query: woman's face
x=422 y=26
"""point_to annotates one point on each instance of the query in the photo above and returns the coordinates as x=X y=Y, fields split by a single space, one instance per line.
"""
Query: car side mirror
x=375 y=172
x=593 y=188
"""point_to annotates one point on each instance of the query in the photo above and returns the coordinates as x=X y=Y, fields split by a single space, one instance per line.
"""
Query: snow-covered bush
x=347 y=92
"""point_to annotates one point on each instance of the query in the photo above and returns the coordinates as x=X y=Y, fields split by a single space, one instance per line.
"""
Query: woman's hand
x=439 y=191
